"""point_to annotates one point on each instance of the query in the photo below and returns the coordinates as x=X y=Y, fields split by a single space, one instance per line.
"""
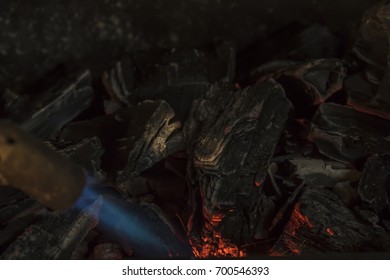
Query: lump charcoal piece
x=138 y=187
x=56 y=236
x=12 y=102
x=107 y=251
x=317 y=172
x=14 y=203
x=47 y=112
x=368 y=88
x=14 y=208
x=304 y=42
x=151 y=138
x=134 y=138
x=10 y=195
x=178 y=77
x=346 y=135
x=346 y=193
x=232 y=137
x=87 y=154
x=14 y=228
x=319 y=78
x=374 y=186
x=320 y=223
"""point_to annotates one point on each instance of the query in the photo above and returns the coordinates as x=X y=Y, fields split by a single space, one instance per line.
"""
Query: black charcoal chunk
x=368 y=88
x=87 y=153
x=14 y=208
x=374 y=186
x=137 y=187
x=232 y=137
x=134 y=138
x=55 y=236
x=178 y=77
x=304 y=42
x=13 y=229
x=46 y=113
x=317 y=79
x=347 y=135
x=346 y=193
x=321 y=224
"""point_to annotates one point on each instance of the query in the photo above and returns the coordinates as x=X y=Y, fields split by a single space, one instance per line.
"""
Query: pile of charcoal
x=279 y=149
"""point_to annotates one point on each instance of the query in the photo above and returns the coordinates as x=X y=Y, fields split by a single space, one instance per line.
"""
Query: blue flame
x=128 y=223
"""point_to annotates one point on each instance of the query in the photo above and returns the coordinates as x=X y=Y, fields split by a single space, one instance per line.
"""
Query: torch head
x=28 y=164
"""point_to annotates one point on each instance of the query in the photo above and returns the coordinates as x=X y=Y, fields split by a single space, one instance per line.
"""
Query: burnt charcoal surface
x=233 y=136
x=368 y=88
x=187 y=154
x=134 y=138
x=40 y=37
x=46 y=113
x=179 y=76
x=304 y=42
x=345 y=134
x=55 y=236
x=320 y=223
x=318 y=79
x=87 y=153
x=374 y=186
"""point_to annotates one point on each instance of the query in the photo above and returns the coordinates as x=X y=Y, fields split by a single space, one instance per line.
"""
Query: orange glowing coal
x=217 y=248
x=298 y=220
x=330 y=231
x=212 y=245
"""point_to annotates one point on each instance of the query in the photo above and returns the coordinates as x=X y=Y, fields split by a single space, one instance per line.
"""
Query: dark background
x=40 y=36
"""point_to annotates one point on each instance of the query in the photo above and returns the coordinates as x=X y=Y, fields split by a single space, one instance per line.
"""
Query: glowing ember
x=299 y=220
x=330 y=231
x=212 y=245
x=258 y=184
x=219 y=248
x=216 y=219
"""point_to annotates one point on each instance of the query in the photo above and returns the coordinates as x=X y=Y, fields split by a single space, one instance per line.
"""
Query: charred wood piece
x=305 y=41
x=368 y=88
x=178 y=77
x=134 y=138
x=320 y=223
x=48 y=112
x=374 y=186
x=88 y=154
x=232 y=137
x=347 y=135
x=108 y=251
x=56 y=236
x=319 y=79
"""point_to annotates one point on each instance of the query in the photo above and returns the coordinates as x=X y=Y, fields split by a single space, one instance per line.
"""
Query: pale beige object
x=31 y=166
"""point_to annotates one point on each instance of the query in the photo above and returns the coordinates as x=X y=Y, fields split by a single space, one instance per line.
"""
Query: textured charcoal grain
x=320 y=223
x=178 y=77
x=56 y=236
x=374 y=186
x=232 y=137
x=368 y=87
x=88 y=154
x=317 y=79
x=347 y=135
x=45 y=114
x=134 y=138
